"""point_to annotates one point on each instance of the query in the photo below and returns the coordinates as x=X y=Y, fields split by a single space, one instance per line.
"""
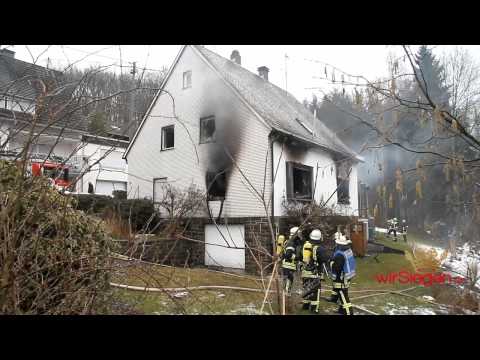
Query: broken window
x=299 y=182
x=216 y=185
x=168 y=137
x=207 y=129
x=343 y=183
x=187 y=79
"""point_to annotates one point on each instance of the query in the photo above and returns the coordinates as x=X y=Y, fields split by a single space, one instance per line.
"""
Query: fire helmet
x=293 y=230
x=342 y=240
x=316 y=235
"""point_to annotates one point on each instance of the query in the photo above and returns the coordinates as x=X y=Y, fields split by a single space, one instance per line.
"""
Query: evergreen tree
x=432 y=76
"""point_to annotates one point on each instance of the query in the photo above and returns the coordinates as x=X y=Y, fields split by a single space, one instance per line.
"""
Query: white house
x=250 y=145
x=100 y=159
x=68 y=140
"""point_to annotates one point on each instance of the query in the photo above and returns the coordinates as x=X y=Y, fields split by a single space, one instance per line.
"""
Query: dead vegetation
x=55 y=259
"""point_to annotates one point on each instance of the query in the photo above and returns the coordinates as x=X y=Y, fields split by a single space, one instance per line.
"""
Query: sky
x=296 y=73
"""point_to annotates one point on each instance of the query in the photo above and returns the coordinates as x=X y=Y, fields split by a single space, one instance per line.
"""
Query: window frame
x=345 y=200
x=211 y=117
x=211 y=197
x=162 y=148
x=163 y=180
x=290 y=166
x=184 y=85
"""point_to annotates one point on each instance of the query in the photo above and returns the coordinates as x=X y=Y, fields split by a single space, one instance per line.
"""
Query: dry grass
x=424 y=260
x=117 y=227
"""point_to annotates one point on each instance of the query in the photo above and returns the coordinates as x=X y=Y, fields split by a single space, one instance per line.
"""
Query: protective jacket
x=289 y=258
x=343 y=266
x=314 y=256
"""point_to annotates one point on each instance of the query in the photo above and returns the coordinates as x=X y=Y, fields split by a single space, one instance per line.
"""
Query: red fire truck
x=52 y=167
x=57 y=172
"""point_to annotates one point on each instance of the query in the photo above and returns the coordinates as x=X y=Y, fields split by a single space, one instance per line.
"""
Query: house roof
x=17 y=77
x=278 y=108
x=281 y=110
x=20 y=79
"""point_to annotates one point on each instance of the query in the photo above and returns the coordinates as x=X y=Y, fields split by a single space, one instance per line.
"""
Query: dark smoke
x=218 y=162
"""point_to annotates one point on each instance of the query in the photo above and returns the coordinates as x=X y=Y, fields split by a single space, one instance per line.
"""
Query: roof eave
x=311 y=142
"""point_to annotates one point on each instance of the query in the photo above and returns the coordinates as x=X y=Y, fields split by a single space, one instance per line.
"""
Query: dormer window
x=187 y=79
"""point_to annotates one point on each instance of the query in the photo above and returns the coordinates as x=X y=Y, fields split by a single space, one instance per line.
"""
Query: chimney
x=6 y=52
x=235 y=57
x=263 y=72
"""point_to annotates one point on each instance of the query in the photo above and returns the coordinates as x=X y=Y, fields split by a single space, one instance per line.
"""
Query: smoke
x=225 y=146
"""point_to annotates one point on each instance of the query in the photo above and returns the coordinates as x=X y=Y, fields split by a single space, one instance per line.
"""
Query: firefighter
x=290 y=258
x=404 y=229
x=342 y=267
x=314 y=257
x=392 y=227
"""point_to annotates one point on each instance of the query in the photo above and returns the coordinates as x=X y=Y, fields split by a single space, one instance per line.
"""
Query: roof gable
x=272 y=105
x=275 y=105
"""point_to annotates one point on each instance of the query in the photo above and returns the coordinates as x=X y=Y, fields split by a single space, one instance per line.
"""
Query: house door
x=107 y=187
x=224 y=256
x=158 y=192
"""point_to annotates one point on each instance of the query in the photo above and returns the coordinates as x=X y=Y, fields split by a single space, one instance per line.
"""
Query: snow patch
x=180 y=294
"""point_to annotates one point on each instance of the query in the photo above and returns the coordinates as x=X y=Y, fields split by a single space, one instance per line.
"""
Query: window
x=216 y=185
x=343 y=184
x=207 y=129
x=187 y=79
x=168 y=137
x=299 y=182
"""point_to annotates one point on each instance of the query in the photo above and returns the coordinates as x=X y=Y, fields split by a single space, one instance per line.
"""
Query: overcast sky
x=304 y=62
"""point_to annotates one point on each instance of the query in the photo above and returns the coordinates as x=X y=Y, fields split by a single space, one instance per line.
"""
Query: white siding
x=111 y=169
x=208 y=95
x=225 y=246
x=326 y=179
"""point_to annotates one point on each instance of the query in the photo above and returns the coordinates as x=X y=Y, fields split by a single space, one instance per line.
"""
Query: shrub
x=92 y=204
x=54 y=258
x=119 y=194
x=138 y=213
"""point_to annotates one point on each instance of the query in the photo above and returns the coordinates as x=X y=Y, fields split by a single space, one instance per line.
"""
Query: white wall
x=326 y=179
x=207 y=96
x=4 y=132
x=16 y=104
x=112 y=168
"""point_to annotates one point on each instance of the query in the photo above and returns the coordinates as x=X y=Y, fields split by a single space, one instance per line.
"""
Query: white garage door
x=222 y=255
x=106 y=187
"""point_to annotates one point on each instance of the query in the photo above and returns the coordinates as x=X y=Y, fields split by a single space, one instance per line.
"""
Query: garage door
x=222 y=255
x=106 y=187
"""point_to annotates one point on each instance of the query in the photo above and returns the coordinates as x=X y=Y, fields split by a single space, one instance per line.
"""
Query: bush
x=55 y=259
x=135 y=212
x=93 y=204
x=139 y=213
x=119 y=194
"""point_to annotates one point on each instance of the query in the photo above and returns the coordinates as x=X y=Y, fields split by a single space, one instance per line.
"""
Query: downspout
x=272 y=173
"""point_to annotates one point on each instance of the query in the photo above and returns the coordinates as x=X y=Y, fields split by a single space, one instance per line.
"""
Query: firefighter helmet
x=293 y=230
x=342 y=240
x=316 y=235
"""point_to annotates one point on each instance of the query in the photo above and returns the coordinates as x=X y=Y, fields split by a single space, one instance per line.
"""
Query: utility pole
x=131 y=94
x=286 y=87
